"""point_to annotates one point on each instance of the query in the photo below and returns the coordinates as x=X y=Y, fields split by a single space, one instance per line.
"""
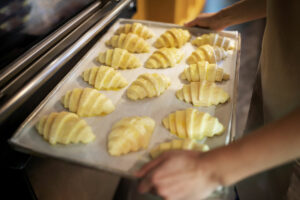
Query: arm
x=182 y=174
x=240 y=12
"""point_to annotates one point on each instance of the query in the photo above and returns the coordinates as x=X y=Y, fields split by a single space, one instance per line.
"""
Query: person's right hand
x=207 y=20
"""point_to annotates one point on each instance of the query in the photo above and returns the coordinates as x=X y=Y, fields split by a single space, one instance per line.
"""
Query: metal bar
x=55 y=65
x=16 y=83
x=13 y=69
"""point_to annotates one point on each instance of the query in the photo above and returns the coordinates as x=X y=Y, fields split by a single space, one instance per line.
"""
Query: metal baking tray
x=95 y=154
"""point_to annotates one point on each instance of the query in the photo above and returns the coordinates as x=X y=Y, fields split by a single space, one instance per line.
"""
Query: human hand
x=207 y=20
x=179 y=175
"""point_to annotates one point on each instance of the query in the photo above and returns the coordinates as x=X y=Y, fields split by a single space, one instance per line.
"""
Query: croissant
x=119 y=58
x=174 y=37
x=163 y=58
x=212 y=54
x=186 y=144
x=202 y=93
x=192 y=124
x=104 y=78
x=64 y=128
x=214 y=40
x=148 y=85
x=130 y=42
x=130 y=134
x=204 y=71
x=87 y=102
x=136 y=28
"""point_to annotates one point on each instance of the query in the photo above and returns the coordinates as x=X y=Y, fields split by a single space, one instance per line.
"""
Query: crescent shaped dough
x=148 y=85
x=104 y=78
x=202 y=93
x=130 y=42
x=192 y=124
x=212 y=54
x=186 y=144
x=174 y=37
x=136 y=28
x=130 y=134
x=64 y=128
x=119 y=59
x=87 y=102
x=204 y=71
x=163 y=58
x=214 y=40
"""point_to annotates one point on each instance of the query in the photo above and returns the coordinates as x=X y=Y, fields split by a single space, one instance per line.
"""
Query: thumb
x=149 y=166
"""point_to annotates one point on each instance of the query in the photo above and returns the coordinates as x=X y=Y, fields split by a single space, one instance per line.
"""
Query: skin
x=240 y=12
x=177 y=175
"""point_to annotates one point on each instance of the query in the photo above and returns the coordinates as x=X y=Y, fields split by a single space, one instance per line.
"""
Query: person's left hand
x=179 y=175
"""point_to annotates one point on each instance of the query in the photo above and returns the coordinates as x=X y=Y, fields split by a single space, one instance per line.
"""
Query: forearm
x=242 y=11
x=270 y=146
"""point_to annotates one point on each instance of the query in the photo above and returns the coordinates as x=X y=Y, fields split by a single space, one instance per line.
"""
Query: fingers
x=149 y=166
x=191 y=23
x=145 y=185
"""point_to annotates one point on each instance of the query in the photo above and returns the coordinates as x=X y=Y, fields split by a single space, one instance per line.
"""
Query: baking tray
x=95 y=154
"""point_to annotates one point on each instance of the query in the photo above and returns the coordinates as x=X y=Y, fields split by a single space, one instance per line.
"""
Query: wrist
x=208 y=166
x=223 y=165
x=222 y=19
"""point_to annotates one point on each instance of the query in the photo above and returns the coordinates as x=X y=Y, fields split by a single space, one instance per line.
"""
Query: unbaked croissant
x=130 y=134
x=192 y=124
x=212 y=54
x=64 y=128
x=104 y=78
x=186 y=144
x=202 y=93
x=148 y=85
x=87 y=102
x=174 y=37
x=214 y=40
x=130 y=42
x=163 y=58
x=204 y=71
x=119 y=58
x=136 y=28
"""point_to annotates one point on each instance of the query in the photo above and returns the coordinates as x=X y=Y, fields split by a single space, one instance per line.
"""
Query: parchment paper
x=95 y=154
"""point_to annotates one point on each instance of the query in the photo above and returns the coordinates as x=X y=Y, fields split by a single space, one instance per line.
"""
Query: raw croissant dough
x=87 y=102
x=214 y=40
x=136 y=28
x=202 y=93
x=130 y=42
x=186 y=144
x=130 y=134
x=174 y=37
x=64 y=128
x=148 y=85
x=212 y=54
x=119 y=58
x=192 y=124
x=163 y=58
x=104 y=77
x=204 y=71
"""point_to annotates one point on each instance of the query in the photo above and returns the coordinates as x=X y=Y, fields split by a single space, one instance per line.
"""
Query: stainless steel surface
x=235 y=97
x=14 y=85
x=17 y=66
x=95 y=154
x=56 y=64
